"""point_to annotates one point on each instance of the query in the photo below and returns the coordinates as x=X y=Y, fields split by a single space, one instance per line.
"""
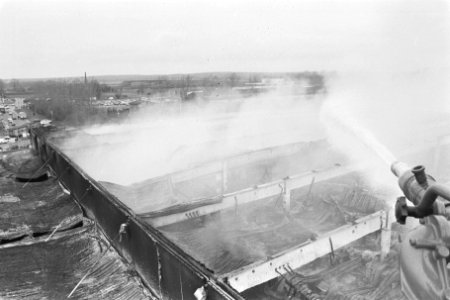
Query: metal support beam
x=236 y=161
x=221 y=167
x=385 y=238
x=249 y=195
x=287 y=196
x=260 y=272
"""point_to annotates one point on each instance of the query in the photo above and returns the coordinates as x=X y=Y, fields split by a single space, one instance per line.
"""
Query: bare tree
x=16 y=86
x=185 y=84
x=233 y=79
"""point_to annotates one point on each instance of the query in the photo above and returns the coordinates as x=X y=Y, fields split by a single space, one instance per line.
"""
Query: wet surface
x=231 y=239
x=354 y=272
x=50 y=270
x=237 y=237
x=32 y=208
x=46 y=245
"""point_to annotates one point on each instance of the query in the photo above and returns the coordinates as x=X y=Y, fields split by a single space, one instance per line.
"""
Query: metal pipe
x=419 y=174
x=425 y=207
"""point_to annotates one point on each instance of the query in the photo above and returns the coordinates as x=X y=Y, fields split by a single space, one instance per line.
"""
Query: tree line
x=67 y=90
x=66 y=100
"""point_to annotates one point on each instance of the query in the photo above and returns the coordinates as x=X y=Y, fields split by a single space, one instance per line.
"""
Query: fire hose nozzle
x=421 y=189
x=399 y=168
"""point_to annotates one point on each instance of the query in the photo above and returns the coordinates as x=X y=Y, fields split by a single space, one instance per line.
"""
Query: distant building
x=273 y=81
x=19 y=103
x=7 y=101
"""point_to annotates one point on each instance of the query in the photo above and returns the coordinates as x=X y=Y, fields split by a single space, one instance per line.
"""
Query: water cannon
x=425 y=250
x=422 y=190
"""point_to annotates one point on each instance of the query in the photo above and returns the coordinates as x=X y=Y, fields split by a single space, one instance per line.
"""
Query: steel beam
x=260 y=272
x=236 y=161
x=249 y=195
x=386 y=233
x=221 y=167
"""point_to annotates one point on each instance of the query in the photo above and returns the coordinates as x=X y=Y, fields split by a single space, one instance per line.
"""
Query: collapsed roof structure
x=236 y=227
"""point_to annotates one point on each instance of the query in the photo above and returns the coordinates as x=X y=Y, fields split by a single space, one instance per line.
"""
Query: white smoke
x=153 y=143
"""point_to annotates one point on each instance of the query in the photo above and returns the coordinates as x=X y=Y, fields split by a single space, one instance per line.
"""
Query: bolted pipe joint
x=401 y=210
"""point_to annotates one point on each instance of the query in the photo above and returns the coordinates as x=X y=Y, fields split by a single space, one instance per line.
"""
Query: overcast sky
x=66 y=38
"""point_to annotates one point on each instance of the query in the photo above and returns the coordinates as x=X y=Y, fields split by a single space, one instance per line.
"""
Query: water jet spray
x=425 y=251
x=342 y=121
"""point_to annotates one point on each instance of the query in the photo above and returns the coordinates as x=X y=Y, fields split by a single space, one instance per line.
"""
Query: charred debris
x=243 y=245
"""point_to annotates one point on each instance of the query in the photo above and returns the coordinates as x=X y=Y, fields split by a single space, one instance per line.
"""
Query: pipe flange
x=401 y=210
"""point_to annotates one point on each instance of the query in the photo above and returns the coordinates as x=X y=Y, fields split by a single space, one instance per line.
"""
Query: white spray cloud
x=152 y=144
